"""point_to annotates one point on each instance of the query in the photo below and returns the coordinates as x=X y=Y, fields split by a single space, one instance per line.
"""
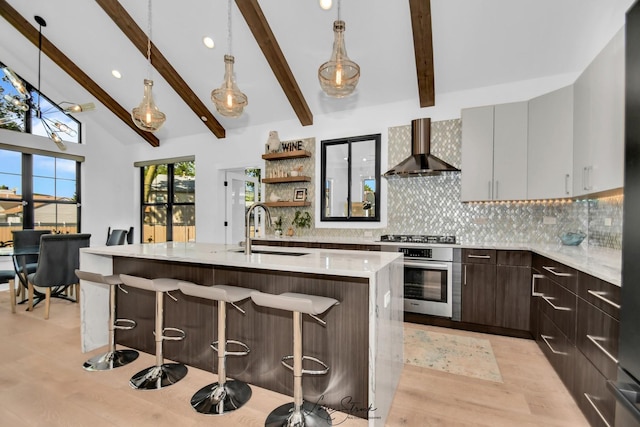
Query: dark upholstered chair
x=118 y=237
x=26 y=240
x=58 y=260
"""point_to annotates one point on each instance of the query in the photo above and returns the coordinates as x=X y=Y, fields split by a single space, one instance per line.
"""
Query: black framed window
x=168 y=207
x=351 y=179
x=38 y=191
x=30 y=121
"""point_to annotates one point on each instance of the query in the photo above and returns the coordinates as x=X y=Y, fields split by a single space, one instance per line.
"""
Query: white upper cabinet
x=550 y=145
x=598 y=150
x=494 y=152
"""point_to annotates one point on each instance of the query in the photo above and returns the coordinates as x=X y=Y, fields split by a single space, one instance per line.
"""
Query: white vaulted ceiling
x=476 y=43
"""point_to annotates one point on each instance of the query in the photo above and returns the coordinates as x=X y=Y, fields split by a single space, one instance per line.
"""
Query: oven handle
x=427 y=265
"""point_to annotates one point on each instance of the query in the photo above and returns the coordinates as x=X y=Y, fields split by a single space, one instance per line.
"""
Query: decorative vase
x=278 y=232
x=290 y=232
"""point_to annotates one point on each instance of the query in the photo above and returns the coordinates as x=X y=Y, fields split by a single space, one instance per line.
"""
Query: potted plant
x=277 y=223
x=300 y=220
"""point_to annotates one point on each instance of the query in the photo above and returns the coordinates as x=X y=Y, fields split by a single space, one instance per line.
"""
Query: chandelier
x=228 y=99
x=146 y=115
x=339 y=75
x=24 y=101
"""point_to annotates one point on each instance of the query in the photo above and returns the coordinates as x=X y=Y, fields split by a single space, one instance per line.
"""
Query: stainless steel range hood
x=421 y=162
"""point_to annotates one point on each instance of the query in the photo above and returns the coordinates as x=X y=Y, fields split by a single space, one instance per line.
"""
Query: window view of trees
x=168 y=202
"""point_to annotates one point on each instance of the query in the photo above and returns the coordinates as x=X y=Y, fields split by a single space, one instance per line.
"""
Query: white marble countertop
x=316 y=261
x=603 y=263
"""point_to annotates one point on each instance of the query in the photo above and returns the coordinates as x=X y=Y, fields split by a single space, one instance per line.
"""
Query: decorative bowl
x=572 y=239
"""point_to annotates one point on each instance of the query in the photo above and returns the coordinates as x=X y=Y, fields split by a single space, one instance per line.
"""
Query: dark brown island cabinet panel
x=576 y=322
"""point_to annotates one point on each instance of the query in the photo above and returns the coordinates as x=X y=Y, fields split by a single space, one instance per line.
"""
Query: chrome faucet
x=247 y=243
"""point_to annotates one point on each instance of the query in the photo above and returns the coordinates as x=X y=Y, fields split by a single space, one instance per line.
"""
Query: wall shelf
x=286 y=179
x=297 y=154
x=287 y=204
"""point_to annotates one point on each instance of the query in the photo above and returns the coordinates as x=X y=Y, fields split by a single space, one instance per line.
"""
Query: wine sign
x=291 y=145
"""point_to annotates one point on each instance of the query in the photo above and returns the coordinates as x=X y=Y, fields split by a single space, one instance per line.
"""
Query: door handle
x=535 y=293
x=599 y=296
x=566 y=184
x=595 y=408
x=555 y=307
x=552 y=270
x=479 y=256
x=547 y=337
x=595 y=342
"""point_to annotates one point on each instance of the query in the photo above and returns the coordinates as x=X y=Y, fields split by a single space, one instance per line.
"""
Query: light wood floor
x=42 y=384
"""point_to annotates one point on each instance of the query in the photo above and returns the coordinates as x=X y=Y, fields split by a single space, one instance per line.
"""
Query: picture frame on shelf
x=300 y=195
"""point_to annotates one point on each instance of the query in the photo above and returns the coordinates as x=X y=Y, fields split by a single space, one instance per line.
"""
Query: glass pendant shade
x=339 y=76
x=147 y=116
x=228 y=99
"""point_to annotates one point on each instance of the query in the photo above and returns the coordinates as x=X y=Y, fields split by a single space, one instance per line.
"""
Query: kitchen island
x=362 y=342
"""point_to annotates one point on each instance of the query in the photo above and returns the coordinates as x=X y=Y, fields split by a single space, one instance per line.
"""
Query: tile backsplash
x=431 y=205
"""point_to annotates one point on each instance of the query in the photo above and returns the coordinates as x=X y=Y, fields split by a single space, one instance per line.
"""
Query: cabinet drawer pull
x=552 y=270
x=465 y=275
x=535 y=293
x=596 y=409
x=545 y=338
x=479 y=256
x=600 y=297
x=555 y=307
x=595 y=342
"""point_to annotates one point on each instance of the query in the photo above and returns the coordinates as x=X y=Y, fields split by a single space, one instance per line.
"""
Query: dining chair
x=58 y=259
x=118 y=237
x=29 y=241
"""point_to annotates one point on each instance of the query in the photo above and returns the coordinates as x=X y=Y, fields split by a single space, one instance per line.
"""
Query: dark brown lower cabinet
x=513 y=297
x=557 y=348
x=590 y=392
x=479 y=293
x=577 y=324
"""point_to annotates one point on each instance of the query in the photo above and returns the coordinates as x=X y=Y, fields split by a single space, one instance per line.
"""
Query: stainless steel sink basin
x=261 y=251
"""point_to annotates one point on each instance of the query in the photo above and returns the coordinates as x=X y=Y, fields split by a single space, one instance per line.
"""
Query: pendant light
x=228 y=99
x=339 y=76
x=147 y=116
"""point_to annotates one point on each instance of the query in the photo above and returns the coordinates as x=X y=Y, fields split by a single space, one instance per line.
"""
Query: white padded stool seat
x=291 y=301
x=154 y=285
x=113 y=279
x=217 y=292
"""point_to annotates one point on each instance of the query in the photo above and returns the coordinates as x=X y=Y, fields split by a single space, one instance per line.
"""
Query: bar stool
x=298 y=413
x=161 y=374
x=112 y=358
x=225 y=395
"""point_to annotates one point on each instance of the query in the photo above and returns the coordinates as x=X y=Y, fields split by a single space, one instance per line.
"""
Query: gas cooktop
x=409 y=238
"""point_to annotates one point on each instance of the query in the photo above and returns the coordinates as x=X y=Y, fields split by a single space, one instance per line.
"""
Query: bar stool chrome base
x=110 y=360
x=310 y=415
x=214 y=399
x=157 y=377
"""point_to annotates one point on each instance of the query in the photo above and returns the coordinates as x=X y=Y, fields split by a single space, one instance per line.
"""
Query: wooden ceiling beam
x=128 y=26
x=423 y=49
x=261 y=30
x=31 y=33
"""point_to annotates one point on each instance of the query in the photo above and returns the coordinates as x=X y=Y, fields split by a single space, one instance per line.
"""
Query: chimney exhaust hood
x=421 y=162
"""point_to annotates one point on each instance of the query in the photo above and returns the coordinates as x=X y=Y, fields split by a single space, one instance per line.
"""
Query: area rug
x=472 y=357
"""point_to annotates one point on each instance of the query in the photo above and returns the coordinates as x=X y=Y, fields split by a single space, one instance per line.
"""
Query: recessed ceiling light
x=326 y=4
x=116 y=74
x=208 y=42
